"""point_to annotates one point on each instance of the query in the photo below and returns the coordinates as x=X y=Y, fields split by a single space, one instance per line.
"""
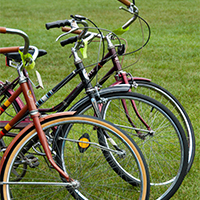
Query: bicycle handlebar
x=77 y=19
x=125 y=2
x=36 y=52
x=8 y=49
x=57 y=24
x=17 y=32
x=70 y=40
x=67 y=29
x=2 y=30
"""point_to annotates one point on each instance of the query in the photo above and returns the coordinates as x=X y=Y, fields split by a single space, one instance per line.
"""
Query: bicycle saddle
x=16 y=56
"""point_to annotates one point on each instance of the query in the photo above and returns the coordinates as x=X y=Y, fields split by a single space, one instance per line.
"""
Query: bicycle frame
x=77 y=90
x=111 y=54
x=31 y=108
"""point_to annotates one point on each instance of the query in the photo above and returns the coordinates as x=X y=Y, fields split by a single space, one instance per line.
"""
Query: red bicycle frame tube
x=18 y=100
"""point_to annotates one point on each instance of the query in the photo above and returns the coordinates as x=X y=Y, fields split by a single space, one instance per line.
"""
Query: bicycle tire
x=172 y=182
x=166 y=98
x=81 y=171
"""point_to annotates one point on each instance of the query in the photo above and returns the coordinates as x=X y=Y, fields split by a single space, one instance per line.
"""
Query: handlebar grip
x=125 y=2
x=69 y=41
x=2 y=30
x=57 y=24
x=67 y=29
x=8 y=49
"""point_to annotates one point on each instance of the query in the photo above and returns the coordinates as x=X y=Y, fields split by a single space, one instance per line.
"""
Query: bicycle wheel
x=84 y=162
x=166 y=98
x=163 y=143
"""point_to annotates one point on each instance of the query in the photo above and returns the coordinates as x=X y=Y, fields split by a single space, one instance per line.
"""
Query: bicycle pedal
x=32 y=161
x=83 y=145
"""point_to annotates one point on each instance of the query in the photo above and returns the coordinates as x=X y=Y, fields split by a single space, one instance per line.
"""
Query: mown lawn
x=171 y=58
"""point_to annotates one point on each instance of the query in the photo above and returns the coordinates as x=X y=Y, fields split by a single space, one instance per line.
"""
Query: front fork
x=24 y=87
x=123 y=76
x=41 y=135
x=92 y=92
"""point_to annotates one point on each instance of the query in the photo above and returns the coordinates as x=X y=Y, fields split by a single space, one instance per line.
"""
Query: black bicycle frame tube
x=86 y=82
x=54 y=90
x=77 y=90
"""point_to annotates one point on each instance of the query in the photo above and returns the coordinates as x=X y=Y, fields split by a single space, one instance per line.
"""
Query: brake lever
x=132 y=9
x=74 y=26
x=73 y=29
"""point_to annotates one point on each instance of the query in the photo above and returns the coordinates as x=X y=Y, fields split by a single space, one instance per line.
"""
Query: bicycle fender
x=129 y=79
x=29 y=128
x=114 y=89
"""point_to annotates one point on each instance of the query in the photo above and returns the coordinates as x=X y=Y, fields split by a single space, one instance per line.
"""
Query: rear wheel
x=167 y=99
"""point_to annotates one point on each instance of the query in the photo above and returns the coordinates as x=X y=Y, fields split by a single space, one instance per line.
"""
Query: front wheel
x=76 y=149
x=156 y=131
x=167 y=99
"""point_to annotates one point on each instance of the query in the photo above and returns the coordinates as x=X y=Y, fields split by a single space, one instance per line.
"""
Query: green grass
x=171 y=59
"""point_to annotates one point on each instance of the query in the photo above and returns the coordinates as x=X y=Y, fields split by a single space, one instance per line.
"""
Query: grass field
x=171 y=59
